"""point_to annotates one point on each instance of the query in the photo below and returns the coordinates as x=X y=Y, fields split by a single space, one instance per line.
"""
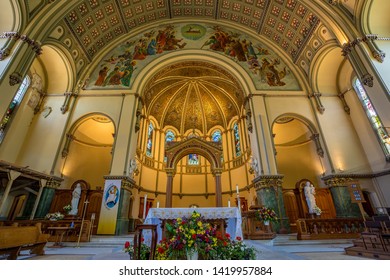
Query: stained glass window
x=216 y=136
x=169 y=136
x=149 y=142
x=237 y=142
x=193 y=159
x=375 y=121
x=11 y=108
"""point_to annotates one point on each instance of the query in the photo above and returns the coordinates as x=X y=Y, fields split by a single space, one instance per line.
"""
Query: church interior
x=116 y=107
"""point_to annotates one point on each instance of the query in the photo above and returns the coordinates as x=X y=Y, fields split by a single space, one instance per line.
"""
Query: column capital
x=267 y=181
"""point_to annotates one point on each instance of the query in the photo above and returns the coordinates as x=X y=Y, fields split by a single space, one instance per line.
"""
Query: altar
x=231 y=214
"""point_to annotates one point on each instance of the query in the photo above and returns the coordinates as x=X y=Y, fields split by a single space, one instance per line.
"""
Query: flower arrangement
x=54 y=216
x=189 y=236
x=266 y=214
x=145 y=250
x=317 y=210
x=67 y=208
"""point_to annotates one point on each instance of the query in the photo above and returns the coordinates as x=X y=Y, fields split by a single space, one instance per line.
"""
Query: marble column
x=270 y=194
x=168 y=198
x=338 y=186
x=122 y=221
x=218 y=188
x=44 y=203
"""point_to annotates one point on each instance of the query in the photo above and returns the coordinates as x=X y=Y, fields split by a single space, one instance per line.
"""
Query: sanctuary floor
x=283 y=247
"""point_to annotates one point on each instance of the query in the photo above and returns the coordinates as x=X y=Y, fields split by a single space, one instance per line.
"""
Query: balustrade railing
x=338 y=228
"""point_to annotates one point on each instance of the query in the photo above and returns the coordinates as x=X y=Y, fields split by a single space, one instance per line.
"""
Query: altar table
x=231 y=214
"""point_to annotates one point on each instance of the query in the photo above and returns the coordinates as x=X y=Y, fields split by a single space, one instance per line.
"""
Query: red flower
x=142 y=239
x=193 y=236
x=238 y=238
x=161 y=250
x=127 y=244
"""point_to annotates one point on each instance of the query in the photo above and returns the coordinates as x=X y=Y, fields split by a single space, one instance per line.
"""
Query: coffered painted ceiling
x=289 y=27
x=288 y=23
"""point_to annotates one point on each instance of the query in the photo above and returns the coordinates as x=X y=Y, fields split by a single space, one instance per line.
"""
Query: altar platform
x=283 y=247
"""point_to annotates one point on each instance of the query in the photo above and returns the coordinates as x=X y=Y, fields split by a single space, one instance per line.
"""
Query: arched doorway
x=212 y=151
x=201 y=100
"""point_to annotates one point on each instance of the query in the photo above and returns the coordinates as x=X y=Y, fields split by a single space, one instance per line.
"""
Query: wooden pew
x=14 y=239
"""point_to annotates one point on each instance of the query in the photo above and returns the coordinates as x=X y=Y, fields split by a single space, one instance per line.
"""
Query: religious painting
x=121 y=66
x=193 y=159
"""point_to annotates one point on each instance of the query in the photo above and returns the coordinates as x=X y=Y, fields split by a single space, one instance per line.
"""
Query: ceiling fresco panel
x=267 y=70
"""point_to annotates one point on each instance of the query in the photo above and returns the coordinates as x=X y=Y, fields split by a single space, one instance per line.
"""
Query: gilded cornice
x=126 y=182
x=334 y=180
x=267 y=181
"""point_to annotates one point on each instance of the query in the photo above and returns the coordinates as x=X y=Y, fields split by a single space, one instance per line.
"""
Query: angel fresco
x=118 y=69
x=243 y=50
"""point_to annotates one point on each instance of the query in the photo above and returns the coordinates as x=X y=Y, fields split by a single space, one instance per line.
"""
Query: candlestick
x=229 y=203
x=237 y=188
x=158 y=204
x=145 y=199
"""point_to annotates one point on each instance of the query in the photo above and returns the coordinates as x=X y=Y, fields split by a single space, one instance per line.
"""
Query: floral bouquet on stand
x=266 y=214
x=67 y=208
x=54 y=216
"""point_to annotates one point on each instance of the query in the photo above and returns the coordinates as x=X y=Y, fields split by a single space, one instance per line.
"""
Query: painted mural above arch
x=121 y=66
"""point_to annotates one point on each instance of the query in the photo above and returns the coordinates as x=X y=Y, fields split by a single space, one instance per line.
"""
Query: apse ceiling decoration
x=193 y=95
x=120 y=67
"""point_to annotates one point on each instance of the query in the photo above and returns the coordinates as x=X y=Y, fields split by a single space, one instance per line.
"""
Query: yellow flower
x=200 y=224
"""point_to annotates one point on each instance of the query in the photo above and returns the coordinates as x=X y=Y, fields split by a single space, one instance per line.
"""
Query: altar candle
x=145 y=199
x=158 y=204
x=229 y=203
x=237 y=188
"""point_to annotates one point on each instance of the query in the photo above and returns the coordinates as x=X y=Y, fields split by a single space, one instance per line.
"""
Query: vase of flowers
x=67 y=208
x=266 y=215
x=317 y=210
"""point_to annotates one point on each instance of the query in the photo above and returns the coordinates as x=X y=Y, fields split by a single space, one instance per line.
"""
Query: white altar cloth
x=231 y=214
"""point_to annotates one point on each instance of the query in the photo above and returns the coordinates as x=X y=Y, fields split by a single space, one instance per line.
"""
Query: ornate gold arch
x=176 y=150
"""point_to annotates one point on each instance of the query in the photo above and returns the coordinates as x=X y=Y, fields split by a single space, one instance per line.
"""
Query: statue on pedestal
x=310 y=191
x=75 y=199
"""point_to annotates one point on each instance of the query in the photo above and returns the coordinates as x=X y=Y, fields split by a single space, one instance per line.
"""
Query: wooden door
x=291 y=207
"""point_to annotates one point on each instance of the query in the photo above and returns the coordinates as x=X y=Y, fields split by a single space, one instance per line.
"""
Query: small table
x=59 y=231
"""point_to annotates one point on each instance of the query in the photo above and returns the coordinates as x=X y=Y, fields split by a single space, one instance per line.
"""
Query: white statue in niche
x=75 y=199
x=254 y=166
x=310 y=191
x=133 y=168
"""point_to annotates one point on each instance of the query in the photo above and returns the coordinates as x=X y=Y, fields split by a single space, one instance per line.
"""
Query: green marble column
x=342 y=202
x=122 y=221
x=45 y=203
x=270 y=193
